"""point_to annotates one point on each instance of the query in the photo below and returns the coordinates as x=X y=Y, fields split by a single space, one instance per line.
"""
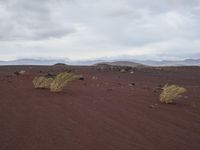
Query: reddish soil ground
x=104 y=113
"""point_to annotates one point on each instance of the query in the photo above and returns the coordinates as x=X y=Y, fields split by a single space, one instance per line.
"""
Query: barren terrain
x=108 y=110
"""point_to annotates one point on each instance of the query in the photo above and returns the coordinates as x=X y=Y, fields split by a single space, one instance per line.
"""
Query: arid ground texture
x=107 y=110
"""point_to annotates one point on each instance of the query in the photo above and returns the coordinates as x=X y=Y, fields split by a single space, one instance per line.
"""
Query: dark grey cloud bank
x=81 y=29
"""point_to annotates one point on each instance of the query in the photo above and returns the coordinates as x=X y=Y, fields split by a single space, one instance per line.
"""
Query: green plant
x=171 y=92
x=42 y=82
x=61 y=80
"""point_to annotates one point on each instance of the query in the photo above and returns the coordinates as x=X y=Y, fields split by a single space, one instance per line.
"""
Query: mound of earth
x=60 y=64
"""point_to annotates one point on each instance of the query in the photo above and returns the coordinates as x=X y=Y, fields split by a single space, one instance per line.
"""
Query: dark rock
x=172 y=103
x=17 y=73
x=50 y=75
x=151 y=106
x=82 y=78
x=127 y=68
x=132 y=84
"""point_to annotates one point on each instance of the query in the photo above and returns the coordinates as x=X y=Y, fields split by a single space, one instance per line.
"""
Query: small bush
x=42 y=82
x=61 y=80
x=171 y=92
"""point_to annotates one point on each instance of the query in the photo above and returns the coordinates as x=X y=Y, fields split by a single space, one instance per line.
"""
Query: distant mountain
x=126 y=63
x=49 y=62
x=32 y=62
x=187 y=62
x=139 y=63
x=129 y=62
x=86 y=62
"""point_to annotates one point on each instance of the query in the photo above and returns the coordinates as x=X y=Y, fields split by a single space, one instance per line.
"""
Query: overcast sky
x=88 y=29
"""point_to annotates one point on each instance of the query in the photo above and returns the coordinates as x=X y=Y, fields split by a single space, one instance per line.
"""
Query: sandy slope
x=101 y=114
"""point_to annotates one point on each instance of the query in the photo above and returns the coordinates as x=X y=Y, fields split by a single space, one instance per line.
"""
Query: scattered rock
x=132 y=84
x=172 y=103
x=16 y=73
x=22 y=72
x=101 y=68
x=50 y=75
x=111 y=68
x=19 y=72
x=157 y=89
x=94 y=78
x=153 y=106
x=81 y=78
x=122 y=70
x=127 y=68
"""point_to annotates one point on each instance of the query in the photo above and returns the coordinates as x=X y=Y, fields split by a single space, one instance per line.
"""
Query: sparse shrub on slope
x=61 y=80
x=171 y=92
x=42 y=82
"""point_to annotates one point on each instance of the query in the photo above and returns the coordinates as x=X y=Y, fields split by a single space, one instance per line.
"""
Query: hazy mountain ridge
x=186 y=62
x=132 y=62
x=32 y=62
x=126 y=63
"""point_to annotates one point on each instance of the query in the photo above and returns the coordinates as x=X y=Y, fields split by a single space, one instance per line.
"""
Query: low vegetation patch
x=61 y=80
x=54 y=84
x=42 y=82
x=170 y=93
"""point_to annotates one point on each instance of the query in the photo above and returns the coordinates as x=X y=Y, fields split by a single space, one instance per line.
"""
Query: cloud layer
x=80 y=29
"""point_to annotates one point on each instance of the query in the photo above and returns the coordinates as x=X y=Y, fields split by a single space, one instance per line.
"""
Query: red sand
x=101 y=114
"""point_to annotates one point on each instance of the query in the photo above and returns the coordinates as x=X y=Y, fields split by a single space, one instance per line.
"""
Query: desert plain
x=108 y=109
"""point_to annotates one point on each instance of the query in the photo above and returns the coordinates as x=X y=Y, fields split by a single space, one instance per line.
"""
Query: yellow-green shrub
x=42 y=82
x=171 y=92
x=61 y=80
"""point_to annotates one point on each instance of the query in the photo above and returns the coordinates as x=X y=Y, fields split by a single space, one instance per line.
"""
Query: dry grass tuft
x=42 y=82
x=171 y=92
x=61 y=80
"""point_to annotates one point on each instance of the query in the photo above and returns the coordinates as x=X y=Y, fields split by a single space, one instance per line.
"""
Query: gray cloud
x=88 y=28
x=30 y=20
